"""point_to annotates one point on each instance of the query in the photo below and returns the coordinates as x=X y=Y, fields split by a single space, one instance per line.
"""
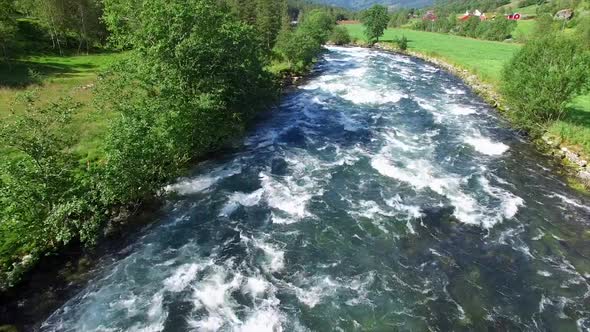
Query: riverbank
x=573 y=159
x=53 y=278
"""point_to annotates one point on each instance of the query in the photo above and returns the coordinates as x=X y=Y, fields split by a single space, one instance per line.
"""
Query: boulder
x=564 y=14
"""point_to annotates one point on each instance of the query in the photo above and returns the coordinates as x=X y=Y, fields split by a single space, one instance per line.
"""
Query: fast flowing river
x=382 y=195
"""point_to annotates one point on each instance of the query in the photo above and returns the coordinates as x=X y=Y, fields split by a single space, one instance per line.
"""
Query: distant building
x=476 y=13
x=429 y=16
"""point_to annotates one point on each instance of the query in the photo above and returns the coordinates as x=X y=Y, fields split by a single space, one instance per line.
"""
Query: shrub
x=402 y=43
x=300 y=46
x=45 y=201
x=542 y=78
x=340 y=36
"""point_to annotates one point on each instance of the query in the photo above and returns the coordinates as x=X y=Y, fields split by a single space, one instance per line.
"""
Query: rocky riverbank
x=575 y=164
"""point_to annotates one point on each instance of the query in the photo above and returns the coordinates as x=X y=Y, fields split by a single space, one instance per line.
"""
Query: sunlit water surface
x=381 y=195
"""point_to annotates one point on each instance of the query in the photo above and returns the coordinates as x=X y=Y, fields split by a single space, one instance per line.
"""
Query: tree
x=44 y=199
x=542 y=78
x=66 y=19
x=193 y=80
x=301 y=46
x=375 y=20
x=7 y=25
x=270 y=16
x=340 y=36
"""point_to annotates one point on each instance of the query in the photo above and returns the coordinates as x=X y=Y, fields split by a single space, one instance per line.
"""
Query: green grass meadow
x=486 y=59
x=53 y=77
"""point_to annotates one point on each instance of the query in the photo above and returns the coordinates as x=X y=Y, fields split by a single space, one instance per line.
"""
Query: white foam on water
x=486 y=146
x=255 y=286
x=181 y=277
x=275 y=257
x=510 y=203
x=265 y=320
x=420 y=174
x=239 y=198
x=412 y=211
x=460 y=109
x=453 y=91
x=544 y=273
x=356 y=72
x=202 y=182
x=156 y=316
x=213 y=294
x=287 y=197
x=570 y=201
x=359 y=95
x=209 y=324
x=350 y=87
x=312 y=296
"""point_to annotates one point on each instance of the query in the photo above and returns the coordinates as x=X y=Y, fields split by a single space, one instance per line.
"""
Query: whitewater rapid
x=380 y=195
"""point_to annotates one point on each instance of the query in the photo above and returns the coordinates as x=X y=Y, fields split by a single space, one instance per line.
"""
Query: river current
x=381 y=195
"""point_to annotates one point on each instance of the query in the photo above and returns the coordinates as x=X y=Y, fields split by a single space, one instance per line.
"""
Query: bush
x=45 y=201
x=300 y=46
x=402 y=43
x=542 y=78
x=340 y=36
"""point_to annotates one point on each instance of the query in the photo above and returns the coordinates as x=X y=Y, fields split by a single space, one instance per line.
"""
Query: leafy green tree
x=194 y=79
x=542 y=78
x=45 y=201
x=270 y=17
x=318 y=24
x=375 y=20
x=340 y=36
x=399 y=18
x=65 y=19
x=7 y=25
x=302 y=45
x=121 y=19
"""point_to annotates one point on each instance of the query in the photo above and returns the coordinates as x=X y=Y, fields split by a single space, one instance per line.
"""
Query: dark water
x=381 y=196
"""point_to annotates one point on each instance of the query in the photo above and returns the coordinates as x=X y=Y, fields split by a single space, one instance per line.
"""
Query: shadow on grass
x=20 y=74
x=577 y=115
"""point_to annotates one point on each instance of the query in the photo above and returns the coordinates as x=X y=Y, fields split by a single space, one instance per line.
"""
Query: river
x=380 y=195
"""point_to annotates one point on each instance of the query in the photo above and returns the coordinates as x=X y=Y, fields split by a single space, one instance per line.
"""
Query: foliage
x=65 y=19
x=45 y=201
x=300 y=46
x=542 y=78
x=7 y=25
x=583 y=31
x=375 y=20
x=195 y=78
x=402 y=43
x=340 y=36
x=400 y=17
x=497 y=29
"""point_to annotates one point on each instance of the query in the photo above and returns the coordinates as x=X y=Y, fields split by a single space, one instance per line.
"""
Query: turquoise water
x=381 y=195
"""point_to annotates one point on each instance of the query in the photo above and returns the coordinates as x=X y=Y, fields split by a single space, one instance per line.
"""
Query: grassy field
x=52 y=77
x=486 y=59
x=524 y=29
x=574 y=128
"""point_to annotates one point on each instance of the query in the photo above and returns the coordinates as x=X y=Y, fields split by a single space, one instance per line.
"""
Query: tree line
x=193 y=76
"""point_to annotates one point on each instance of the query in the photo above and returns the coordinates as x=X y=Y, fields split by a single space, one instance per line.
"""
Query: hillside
x=362 y=4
